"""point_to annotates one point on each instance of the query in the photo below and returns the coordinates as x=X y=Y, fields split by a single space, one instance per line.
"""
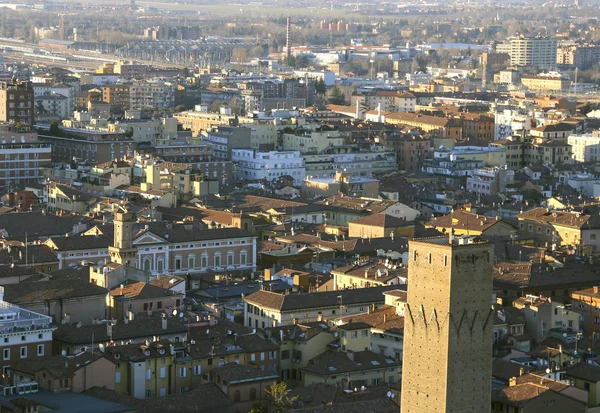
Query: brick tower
x=123 y=251
x=447 y=358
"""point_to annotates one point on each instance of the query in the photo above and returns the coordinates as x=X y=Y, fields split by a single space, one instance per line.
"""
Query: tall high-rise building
x=447 y=360
x=288 y=46
x=531 y=51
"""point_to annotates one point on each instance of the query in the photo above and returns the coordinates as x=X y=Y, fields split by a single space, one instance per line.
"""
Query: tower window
x=414 y=255
x=445 y=260
x=429 y=258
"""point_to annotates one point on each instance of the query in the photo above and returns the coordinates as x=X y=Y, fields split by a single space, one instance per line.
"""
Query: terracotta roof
x=293 y=302
x=518 y=395
x=563 y=218
x=382 y=318
x=422 y=119
x=463 y=220
x=175 y=233
x=381 y=220
x=140 y=290
x=167 y=281
x=505 y=370
x=32 y=254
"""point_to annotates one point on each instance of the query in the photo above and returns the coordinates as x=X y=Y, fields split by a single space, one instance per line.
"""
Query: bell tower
x=122 y=251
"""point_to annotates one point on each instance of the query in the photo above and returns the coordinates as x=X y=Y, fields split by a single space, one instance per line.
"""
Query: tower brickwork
x=447 y=358
x=123 y=251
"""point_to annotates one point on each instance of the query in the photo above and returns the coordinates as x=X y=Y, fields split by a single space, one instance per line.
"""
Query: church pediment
x=148 y=238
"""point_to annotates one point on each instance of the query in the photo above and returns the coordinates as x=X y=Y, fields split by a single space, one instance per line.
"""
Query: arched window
x=147 y=264
x=236 y=396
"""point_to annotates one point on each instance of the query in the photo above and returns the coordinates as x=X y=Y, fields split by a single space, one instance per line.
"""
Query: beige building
x=267 y=309
x=447 y=335
x=546 y=83
x=380 y=226
x=137 y=296
x=367 y=275
x=311 y=139
x=542 y=314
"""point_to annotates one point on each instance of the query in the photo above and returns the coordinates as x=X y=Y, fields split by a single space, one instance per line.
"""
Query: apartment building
x=584 y=148
x=543 y=314
x=25 y=334
x=153 y=94
x=531 y=51
x=549 y=228
x=311 y=139
x=489 y=181
x=225 y=139
x=89 y=145
x=22 y=156
x=17 y=102
x=586 y=302
x=117 y=95
x=410 y=150
x=253 y=165
x=267 y=309
x=578 y=55
x=426 y=123
x=350 y=161
x=550 y=82
x=45 y=89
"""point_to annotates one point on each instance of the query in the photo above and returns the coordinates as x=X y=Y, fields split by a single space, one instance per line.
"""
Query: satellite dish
x=335 y=334
x=393 y=395
x=181 y=315
x=174 y=312
x=389 y=394
x=253 y=331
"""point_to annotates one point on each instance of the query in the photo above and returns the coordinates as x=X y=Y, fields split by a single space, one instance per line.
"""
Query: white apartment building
x=154 y=94
x=53 y=104
x=24 y=334
x=252 y=165
x=509 y=121
x=585 y=148
x=41 y=89
x=531 y=51
x=353 y=163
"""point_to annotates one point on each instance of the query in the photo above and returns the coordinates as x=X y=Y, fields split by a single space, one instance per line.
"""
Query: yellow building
x=586 y=377
x=143 y=371
x=311 y=139
x=467 y=223
x=547 y=83
x=380 y=226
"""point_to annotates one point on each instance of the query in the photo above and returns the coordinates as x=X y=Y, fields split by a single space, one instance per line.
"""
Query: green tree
x=278 y=398
x=129 y=132
x=320 y=87
x=258 y=408
x=336 y=97
x=54 y=129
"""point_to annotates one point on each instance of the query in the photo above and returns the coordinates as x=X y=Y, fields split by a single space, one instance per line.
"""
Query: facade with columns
x=163 y=247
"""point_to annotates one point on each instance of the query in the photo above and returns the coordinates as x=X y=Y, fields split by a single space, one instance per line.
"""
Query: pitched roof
x=38 y=224
x=584 y=371
x=81 y=242
x=167 y=281
x=381 y=220
x=32 y=254
x=237 y=373
x=59 y=366
x=331 y=363
x=563 y=218
x=175 y=233
x=141 y=326
x=133 y=289
x=22 y=293
x=463 y=220
x=292 y=302
x=381 y=405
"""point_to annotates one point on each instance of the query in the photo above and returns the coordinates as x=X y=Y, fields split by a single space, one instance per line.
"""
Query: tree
x=320 y=86
x=278 y=398
x=54 y=129
x=258 y=408
x=129 y=132
x=215 y=106
x=336 y=97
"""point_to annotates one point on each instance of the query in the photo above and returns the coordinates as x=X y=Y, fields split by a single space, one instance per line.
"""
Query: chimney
x=109 y=330
x=596 y=289
x=320 y=317
x=521 y=371
x=164 y=323
x=130 y=315
x=295 y=321
x=385 y=318
x=512 y=382
x=350 y=354
x=67 y=318
x=366 y=273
